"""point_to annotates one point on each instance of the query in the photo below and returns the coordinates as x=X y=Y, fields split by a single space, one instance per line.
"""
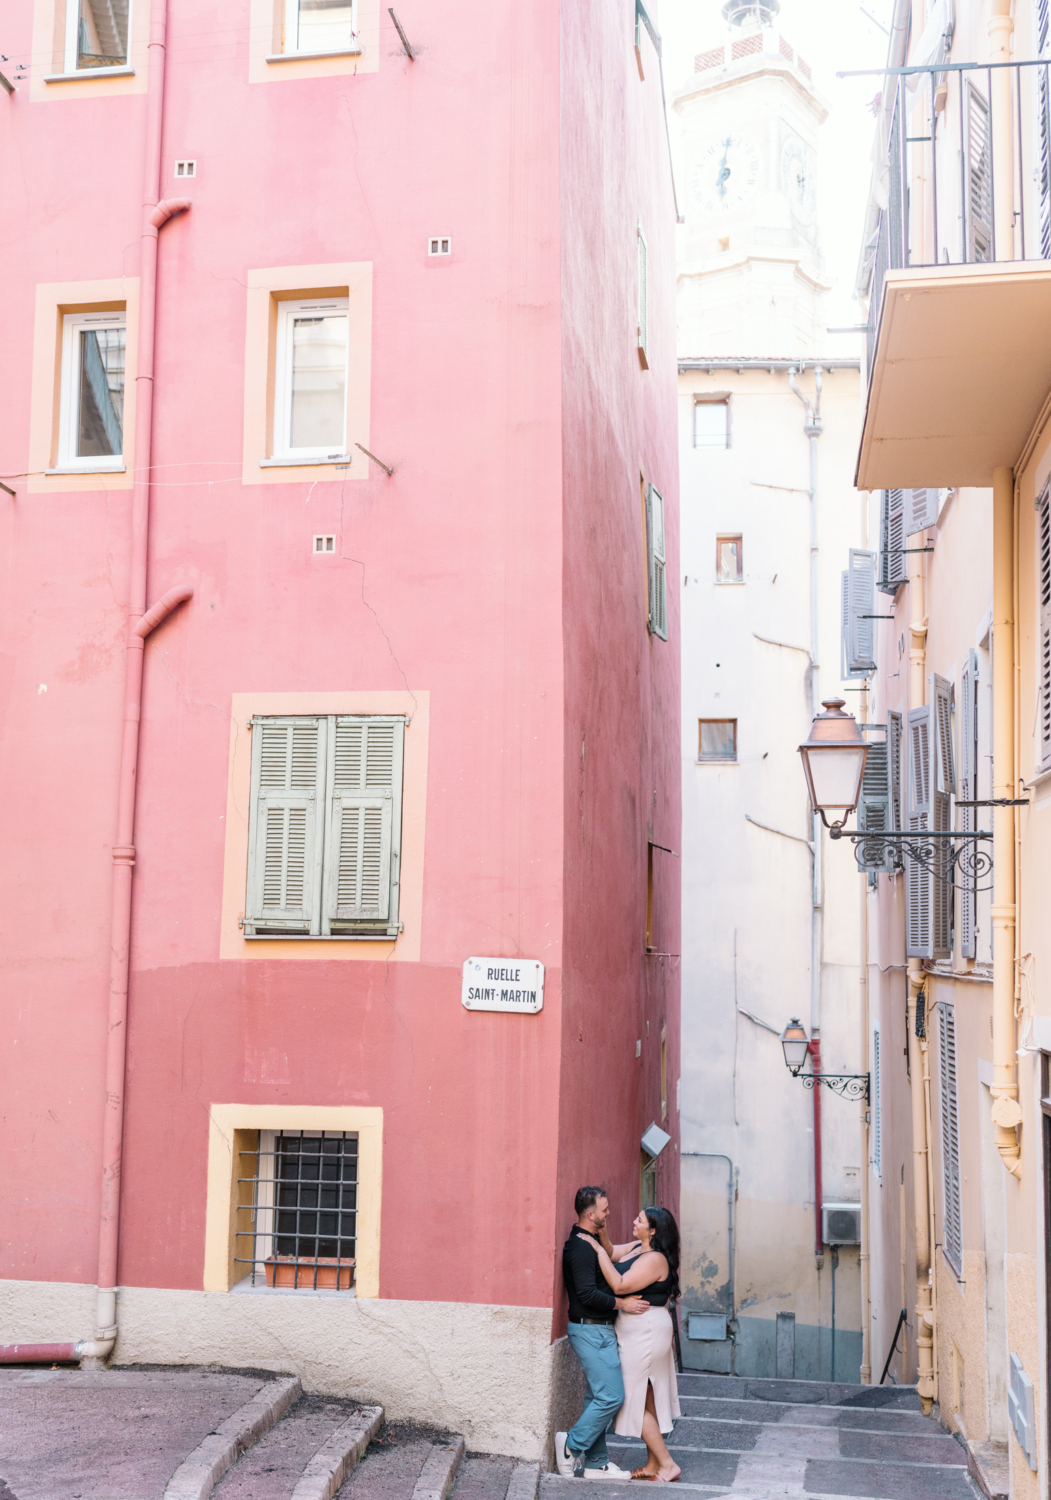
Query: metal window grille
x=297 y=1224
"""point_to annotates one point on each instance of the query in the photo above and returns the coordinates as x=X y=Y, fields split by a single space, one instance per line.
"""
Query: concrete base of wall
x=489 y=1372
x=754 y=1352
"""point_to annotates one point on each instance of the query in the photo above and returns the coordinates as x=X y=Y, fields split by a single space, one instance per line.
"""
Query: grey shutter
x=844 y=624
x=968 y=783
x=943 y=785
x=362 y=850
x=644 y=303
x=896 y=857
x=918 y=879
x=979 y=170
x=874 y=808
x=892 y=561
x=952 y=1217
x=1043 y=541
x=877 y=1108
x=1042 y=171
x=658 y=616
x=921 y=510
x=860 y=607
x=284 y=833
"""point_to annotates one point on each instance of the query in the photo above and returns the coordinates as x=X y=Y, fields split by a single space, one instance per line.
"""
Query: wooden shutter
x=644 y=303
x=362 y=850
x=892 y=561
x=943 y=785
x=874 y=808
x=895 y=858
x=284 y=836
x=979 y=174
x=952 y=1217
x=918 y=879
x=861 y=606
x=968 y=783
x=877 y=1108
x=658 y=613
x=921 y=510
x=1043 y=544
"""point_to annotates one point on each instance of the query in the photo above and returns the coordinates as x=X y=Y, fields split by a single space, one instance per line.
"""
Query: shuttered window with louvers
x=362 y=847
x=877 y=1109
x=968 y=783
x=979 y=172
x=859 y=605
x=918 y=878
x=284 y=847
x=943 y=785
x=325 y=827
x=1043 y=563
x=658 y=611
x=952 y=1215
x=874 y=810
x=921 y=510
x=895 y=858
x=1043 y=133
x=892 y=559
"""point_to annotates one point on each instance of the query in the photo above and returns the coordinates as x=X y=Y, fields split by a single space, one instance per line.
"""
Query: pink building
x=378 y=408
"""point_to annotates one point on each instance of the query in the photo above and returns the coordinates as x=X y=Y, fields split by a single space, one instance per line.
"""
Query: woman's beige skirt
x=647 y=1357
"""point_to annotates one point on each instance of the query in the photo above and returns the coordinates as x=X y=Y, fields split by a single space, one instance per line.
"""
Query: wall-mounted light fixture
x=796 y=1044
x=834 y=763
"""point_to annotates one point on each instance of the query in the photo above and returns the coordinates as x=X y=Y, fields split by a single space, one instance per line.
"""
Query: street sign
x=508 y=984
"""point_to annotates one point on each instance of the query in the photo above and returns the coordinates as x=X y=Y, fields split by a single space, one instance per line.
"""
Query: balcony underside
x=960 y=374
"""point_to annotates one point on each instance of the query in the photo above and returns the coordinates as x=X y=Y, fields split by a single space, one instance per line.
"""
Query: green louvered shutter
x=284 y=833
x=363 y=847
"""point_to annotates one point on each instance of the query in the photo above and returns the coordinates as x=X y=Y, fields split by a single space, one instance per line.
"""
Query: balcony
x=959 y=269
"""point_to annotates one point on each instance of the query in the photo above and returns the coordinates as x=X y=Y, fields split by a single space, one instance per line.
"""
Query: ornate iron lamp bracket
x=953 y=856
x=846 y=1085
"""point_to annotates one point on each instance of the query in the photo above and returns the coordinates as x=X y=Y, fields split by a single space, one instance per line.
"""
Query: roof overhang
x=961 y=373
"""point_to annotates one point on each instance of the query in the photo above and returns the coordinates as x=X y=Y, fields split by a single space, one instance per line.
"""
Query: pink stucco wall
x=501 y=570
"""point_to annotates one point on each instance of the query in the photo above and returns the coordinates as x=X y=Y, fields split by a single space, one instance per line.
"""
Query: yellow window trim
x=226 y=1120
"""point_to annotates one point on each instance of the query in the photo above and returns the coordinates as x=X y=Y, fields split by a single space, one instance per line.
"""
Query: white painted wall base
x=488 y=1372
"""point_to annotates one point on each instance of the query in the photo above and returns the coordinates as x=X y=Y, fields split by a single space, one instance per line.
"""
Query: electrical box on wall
x=708 y=1326
x=841 y=1223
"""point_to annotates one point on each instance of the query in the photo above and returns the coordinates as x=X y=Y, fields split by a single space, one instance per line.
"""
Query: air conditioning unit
x=841 y=1223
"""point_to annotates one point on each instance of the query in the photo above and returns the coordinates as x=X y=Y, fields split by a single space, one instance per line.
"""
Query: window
x=644 y=312
x=718 y=739
x=952 y=1241
x=319 y=25
x=297 y=1211
x=96 y=34
x=711 y=422
x=877 y=1109
x=310 y=386
x=658 y=598
x=91 y=421
x=324 y=836
x=1043 y=601
x=729 y=559
x=664 y=1074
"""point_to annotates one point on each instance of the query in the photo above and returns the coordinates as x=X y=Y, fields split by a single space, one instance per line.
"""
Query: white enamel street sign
x=511 y=984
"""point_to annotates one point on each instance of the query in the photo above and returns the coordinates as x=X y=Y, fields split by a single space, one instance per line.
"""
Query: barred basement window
x=297 y=1223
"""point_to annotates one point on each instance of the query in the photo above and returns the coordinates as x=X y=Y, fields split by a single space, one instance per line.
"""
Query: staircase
x=776 y=1438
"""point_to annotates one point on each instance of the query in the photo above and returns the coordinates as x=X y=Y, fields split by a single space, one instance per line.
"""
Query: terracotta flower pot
x=332 y=1275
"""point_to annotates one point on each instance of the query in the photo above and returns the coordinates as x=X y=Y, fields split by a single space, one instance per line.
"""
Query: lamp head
x=834 y=763
x=796 y=1045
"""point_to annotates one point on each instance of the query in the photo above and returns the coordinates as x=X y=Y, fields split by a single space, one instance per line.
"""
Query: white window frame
x=69 y=399
x=72 y=26
x=724 y=402
x=291 y=28
x=281 y=446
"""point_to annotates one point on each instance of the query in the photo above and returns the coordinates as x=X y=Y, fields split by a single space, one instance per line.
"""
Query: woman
x=648 y=1267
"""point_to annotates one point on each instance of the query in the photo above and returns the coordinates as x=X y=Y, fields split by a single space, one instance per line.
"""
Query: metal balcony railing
x=945 y=197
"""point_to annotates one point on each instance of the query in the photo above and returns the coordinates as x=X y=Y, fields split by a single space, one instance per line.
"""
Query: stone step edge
x=553 y=1482
x=439 y=1472
x=338 y=1456
x=197 y=1475
x=524 y=1481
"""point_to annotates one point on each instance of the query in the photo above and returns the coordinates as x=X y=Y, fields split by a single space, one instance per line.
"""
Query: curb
x=335 y=1459
x=197 y=1476
x=439 y=1472
x=524 y=1482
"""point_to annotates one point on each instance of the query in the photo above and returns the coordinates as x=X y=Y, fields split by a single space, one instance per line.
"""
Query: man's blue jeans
x=595 y=1345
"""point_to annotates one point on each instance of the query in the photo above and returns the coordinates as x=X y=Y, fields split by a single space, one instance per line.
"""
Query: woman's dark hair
x=666 y=1240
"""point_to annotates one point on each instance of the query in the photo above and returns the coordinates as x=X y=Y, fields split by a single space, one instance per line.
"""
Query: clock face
x=797 y=177
x=726 y=174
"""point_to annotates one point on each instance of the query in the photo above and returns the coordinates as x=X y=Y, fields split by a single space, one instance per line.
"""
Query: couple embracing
x=621 y=1331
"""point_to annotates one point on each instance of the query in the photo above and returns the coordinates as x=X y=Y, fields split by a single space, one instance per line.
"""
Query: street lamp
x=834 y=764
x=796 y=1045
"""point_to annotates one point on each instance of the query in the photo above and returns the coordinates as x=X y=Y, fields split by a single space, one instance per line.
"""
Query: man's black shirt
x=589 y=1296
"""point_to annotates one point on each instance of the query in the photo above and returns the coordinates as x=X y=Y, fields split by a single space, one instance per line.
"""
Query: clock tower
x=751 y=278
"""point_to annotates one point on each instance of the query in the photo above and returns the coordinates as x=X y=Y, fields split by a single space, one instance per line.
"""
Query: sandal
x=641 y=1474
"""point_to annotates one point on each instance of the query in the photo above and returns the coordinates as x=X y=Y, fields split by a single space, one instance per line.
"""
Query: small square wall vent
x=440 y=244
x=324 y=545
x=186 y=169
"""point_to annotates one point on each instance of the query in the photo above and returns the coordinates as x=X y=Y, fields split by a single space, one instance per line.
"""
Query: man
x=581 y=1452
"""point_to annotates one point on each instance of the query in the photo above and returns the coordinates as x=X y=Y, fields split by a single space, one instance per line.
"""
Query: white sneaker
x=565 y=1461
x=610 y=1471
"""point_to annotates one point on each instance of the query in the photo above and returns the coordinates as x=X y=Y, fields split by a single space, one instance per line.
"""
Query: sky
x=830 y=35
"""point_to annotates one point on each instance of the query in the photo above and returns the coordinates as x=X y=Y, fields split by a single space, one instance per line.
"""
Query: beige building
x=956 y=453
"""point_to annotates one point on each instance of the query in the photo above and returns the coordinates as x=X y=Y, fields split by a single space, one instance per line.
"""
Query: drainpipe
x=812 y=427
x=1006 y=1111
x=93 y=1352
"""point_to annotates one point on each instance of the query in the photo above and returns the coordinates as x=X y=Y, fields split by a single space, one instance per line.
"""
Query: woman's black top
x=656 y=1294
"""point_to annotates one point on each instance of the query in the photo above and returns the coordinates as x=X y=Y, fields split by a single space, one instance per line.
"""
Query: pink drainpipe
x=94 y=1352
